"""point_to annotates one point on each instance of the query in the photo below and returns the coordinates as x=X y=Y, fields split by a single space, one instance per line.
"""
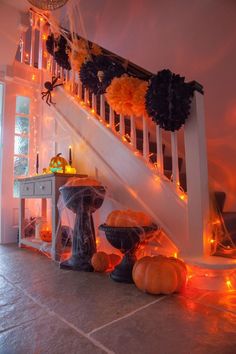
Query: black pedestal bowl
x=83 y=201
x=126 y=239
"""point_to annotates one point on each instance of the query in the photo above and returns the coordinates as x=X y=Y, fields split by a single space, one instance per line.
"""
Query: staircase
x=172 y=188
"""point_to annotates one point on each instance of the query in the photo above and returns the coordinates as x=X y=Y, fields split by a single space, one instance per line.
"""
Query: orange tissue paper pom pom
x=126 y=95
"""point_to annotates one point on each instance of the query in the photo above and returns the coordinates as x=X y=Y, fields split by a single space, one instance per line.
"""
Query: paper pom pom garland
x=168 y=100
x=50 y=44
x=126 y=95
x=97 y=74
x=58 y=48
x=81 y=52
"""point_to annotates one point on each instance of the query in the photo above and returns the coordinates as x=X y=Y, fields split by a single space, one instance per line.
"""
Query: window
x=21 y=142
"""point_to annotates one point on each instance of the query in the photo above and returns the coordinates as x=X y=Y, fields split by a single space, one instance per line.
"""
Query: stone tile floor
x=47 y=310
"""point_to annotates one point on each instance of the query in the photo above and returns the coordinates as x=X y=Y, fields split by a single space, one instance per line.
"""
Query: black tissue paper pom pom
x=50 y=42
x=97 y=74
x=58 y=49
x=168 y=100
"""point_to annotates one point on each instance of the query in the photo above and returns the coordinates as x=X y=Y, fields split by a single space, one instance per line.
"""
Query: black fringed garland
x=97 y=74
x=168 y=100
x=58 y=49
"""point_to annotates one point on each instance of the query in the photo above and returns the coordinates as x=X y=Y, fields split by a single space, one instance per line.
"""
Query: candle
x=70 y=155
x=37 y=163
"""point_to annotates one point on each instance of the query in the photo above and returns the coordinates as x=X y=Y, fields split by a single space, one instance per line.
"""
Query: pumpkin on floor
x=128 y=218
x=100 y=261
x=159 y=275
x=114 y=260
x=46 y=235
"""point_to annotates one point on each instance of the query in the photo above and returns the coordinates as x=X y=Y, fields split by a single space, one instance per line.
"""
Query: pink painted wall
x=195 y=38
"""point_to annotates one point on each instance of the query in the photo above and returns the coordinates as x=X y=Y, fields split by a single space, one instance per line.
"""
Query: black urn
x=126 y=239
x=83 y=201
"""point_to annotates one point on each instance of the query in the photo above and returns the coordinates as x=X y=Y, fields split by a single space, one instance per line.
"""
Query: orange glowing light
x=92 y=110
x=182 y=196
x=212 y=241
x=229 y=284
x=41 y=19
x=44 y=37
x=175 y=255
x=123 y=138
x=216 y=222
x=108 y=125
x=33 y=77
x=45 y=54
x=27 y=55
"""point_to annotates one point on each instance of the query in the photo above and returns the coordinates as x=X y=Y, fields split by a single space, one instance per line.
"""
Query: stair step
x=220 y=198
x=230 y=221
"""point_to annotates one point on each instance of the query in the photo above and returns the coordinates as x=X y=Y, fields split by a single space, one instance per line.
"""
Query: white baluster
x=41 y=46
x=22 y=47
x=159 y=149
x=111 y=118
x=102 y=107
x=80 y=89
x=86 y=97
x=122 y=125
x=133 y=131
x=32 y=45
x=73 y=81
x=145 y=139
x=174 y=153
x=61 y=73
x=55 y=68
x=94 y=103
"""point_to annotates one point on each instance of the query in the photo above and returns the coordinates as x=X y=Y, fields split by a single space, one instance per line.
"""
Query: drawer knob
x=27 y=188
x=42 y=187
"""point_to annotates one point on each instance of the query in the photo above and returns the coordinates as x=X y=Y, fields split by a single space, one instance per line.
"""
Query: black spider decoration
x=49 y=86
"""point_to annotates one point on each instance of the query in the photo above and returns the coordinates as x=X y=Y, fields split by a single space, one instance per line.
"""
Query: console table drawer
x=27 y=189
x=43 y=188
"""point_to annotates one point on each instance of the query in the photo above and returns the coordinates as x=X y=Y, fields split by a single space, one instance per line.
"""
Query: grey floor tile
x=27 y=267
x=47 y=335
x=175 y=325
x=89 y=300
x=15 y=307
x=8 y=248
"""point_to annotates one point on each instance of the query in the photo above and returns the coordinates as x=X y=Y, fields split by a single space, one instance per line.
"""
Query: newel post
x=197 y=180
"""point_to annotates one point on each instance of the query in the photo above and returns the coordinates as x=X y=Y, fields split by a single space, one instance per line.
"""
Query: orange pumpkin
x=128 y=218
x=58 y=164
x=159 y=275
x=46 y=235
x=100 y=261
x=114 y=260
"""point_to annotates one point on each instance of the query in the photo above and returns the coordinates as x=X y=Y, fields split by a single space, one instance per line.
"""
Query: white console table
x=43 y=187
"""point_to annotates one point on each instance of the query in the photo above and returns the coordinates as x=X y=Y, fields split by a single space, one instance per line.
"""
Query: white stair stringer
x=156 y=195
